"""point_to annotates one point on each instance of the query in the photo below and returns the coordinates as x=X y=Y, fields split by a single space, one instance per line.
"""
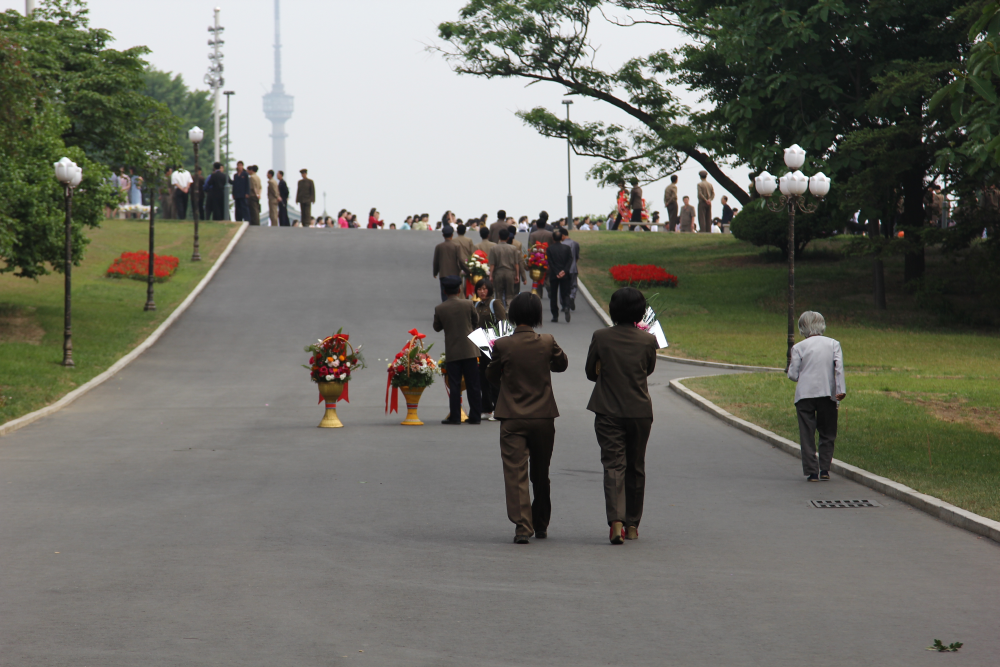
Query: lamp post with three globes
x=70 y=175
x=792 y=186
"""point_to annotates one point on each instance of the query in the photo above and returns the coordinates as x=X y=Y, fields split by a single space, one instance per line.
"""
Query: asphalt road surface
x=189 y=512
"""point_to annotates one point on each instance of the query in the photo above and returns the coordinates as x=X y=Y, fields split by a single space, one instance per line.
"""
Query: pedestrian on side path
x=457 y=318
x=574 y=269
x=817 y=365
x=522 y=368
x=619 y=361
x=560 y=261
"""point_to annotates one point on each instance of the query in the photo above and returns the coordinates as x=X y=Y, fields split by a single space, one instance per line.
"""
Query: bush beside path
x=108 y=319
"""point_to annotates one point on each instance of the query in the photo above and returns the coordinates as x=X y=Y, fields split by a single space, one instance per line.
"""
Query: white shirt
x=818 y=368
x=181 y=179
x=585 y=227
x=716 y=229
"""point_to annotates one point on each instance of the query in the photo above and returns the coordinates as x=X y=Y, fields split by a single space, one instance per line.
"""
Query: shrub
x=759 y=226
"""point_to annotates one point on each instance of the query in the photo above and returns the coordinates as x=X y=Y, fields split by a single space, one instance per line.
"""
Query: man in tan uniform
x=687 y=216
x=448 y=260
x=505 y=268
x=465 y=243
x=273 y=197
x=485 y=245
x=305 y=196
x=253 y=197
x=670 y=201
x=495 y=228
x=706 y=193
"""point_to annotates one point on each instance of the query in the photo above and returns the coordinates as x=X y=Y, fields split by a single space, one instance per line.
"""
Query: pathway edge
x=31 y=417
x=936 y=507
x=694 y=362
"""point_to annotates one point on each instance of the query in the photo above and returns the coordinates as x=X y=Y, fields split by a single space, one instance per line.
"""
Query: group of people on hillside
x=632 y=212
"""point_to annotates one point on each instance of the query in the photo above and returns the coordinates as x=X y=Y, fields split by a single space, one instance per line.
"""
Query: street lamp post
x=569 y=179
x=228 y=189
x=793 y=186
x=195 y=135
x=151 y=184
x=70 y=176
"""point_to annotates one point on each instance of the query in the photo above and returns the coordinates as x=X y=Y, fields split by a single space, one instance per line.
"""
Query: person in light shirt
x=817 y=365
x=181 y=180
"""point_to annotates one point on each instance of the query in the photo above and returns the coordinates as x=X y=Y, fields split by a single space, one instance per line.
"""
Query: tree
x=191 y=107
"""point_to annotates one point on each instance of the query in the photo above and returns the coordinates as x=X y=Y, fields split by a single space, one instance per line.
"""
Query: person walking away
x=253 y=196
x=273 y=199
x=485 y=244
x=620 y=359
x=491 y=312
x=511 y=234
x=727 y=212
x=522 y=262
x=635 y=202
x=543 y=231
x=283 y=194
x=305 y=196
x=817 y=366
x=495 y=228
x=522 y=368
x=706 y=193
x=464 y=242
x=181 y=180
x=688 y=215
x=448 y=260
x=215 y=191
x=670 y=201
x=241 y=188
x=505 y=268
x=574 y=270
x=560 y=259
x=457 y=318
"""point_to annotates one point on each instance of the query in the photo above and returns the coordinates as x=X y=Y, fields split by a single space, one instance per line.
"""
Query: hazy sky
x=378 y=121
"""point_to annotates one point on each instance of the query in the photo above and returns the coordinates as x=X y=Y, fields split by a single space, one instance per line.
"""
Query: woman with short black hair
x=522 y=367
x=620 y=359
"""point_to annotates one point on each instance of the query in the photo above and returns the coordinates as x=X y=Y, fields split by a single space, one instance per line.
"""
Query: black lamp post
x=150 y=303
x=195 y=135
x=793 y=186
x=70 y=176
x=569 y=179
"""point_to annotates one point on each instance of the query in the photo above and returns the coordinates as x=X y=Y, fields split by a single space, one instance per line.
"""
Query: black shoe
x=567 y=315
x=572 y=303
x=541 y=534
x=474 y=423
x=812 y=478
x=824 y=475
x=450 y=422
x=555 y=319
x=521 y=539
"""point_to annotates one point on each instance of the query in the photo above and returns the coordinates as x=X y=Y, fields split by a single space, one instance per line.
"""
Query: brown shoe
x=617 y=534
x=631 y=533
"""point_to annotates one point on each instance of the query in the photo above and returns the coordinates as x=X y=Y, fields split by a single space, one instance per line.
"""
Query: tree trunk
x=912 y=223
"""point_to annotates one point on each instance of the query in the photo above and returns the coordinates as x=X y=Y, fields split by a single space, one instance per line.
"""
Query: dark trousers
x=573 y=286
x=242 y=212
x=816 y=414
x=306 y=209
x=283 y=215
x=704 y=216
x=526 y=450
x=618 y=221
x=253 y=206
x=469 y=369
x=672 y=216
x=180 y=204
x=217 y=207
x=559 y=290
x=490 y=393
x=623 y=454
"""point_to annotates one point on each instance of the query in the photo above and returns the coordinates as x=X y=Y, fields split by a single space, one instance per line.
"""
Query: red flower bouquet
x=334 y=359
x=135 y=265
x=412 y=367
x=645 y=275
x=537 y=258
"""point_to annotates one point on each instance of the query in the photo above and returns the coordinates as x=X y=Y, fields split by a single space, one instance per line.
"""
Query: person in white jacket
x=818 y=367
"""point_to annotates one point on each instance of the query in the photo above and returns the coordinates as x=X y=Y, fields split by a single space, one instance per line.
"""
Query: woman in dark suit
x=490 y=312
x=619 y=361
x=522 y=365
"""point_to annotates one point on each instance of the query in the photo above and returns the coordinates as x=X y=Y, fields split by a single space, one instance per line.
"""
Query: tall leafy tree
x=191 y=107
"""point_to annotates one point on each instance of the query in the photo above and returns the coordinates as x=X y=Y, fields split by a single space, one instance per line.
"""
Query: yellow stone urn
x=537 y=278
x=331 y=391
x=412 y=396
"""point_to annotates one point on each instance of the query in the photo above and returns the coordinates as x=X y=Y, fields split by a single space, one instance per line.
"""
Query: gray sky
x=378 y=121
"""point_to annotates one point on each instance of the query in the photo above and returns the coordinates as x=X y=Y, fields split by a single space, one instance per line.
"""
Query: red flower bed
x=644 y=275
x=135 y=265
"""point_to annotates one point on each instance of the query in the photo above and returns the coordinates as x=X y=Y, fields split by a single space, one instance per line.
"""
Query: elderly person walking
x=817 y=366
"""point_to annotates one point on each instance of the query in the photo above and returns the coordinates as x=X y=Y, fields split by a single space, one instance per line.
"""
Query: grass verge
x=923 y=404
x=108 y=315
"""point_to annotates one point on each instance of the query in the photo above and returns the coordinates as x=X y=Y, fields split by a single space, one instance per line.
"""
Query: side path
x=190 y=512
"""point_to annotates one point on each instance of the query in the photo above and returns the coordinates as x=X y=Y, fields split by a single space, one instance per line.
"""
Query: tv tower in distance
x=278 y=106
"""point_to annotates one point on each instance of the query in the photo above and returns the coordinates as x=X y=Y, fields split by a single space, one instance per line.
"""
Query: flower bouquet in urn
x=412 y=371
x=330 y=366
x=538 y=265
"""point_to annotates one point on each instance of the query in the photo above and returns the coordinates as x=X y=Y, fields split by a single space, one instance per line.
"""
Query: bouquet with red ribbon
x=412 y=367
x=333 y=360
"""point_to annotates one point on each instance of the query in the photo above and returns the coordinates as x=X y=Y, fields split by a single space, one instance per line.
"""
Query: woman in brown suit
x=522 y=365
x=490 y=311
x=619 y=361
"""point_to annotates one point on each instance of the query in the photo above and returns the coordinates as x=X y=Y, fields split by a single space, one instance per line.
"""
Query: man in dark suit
x=574 y=269
x=283 y=201
x=448 y=261
x=215 y=191
x=619 y=361
x=457 y=318
x=560 y=262
x=241 y=188
x=495 y=228
x=522 y=365
x=305 y=197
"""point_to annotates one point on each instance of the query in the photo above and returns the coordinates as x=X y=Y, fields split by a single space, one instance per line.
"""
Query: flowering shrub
x=537 y=258
x=478 y=265
x=413 y=366
x=333 y=359
x=644 y=275
x=135 y=265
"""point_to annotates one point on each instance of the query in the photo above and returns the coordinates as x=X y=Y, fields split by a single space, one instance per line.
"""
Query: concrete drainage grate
x=844 y=503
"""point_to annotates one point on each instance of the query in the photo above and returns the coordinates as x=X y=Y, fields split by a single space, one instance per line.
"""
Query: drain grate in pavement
x=844 y=503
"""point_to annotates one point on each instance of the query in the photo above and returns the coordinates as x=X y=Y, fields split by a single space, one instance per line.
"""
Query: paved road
x=189 y=513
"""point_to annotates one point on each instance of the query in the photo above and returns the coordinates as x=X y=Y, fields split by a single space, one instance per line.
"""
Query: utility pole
x=229 y=189
x=569 y=178
x=214 y=77
x=29 y=7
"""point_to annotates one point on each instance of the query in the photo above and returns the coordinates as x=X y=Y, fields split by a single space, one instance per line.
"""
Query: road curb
x=21 y=422
x=947 y=512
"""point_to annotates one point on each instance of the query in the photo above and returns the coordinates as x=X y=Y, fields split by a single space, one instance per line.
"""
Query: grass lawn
x=108 y=315
x=923 y=404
